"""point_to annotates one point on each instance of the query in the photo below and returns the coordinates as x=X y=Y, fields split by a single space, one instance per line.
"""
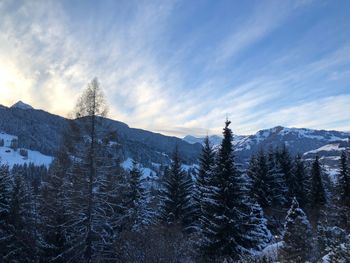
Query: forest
x=86 y=208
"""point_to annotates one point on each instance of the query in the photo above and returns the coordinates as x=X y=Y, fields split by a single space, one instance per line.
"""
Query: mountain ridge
x=41 y=131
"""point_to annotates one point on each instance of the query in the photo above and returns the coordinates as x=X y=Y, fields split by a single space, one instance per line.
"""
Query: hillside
x=41 y=131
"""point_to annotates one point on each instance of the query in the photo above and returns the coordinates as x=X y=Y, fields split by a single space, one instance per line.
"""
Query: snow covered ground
x=147 y=172
x=327 y=148
x=270 y=253
x=12 y=157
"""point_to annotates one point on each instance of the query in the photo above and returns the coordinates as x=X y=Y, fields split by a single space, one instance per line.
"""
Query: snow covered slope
x=11 y=156
x=215 y=140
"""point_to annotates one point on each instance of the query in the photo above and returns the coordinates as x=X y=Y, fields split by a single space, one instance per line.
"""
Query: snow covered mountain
x=214 y=139
x=40 y=131
x=21 y=105
x=308 y=142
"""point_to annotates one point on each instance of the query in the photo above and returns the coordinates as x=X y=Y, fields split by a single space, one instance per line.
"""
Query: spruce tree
x=276 y=180
x=5 y=199
x=301 y=183
x=297 y=235
x=22 y=244
x=258 y=173
x=257 y=234
x=344 y=180
x=137 y=199
x=176 y=196
x=224 y=234
x=203 y=180
x=342 y=194
x=317 y=193
x=53 y=199
x=286 y=165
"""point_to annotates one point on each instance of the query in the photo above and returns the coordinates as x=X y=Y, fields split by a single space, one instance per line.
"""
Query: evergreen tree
x=203 y=181
x=297 y=235
x=286 y=165
x=54 y=199
x=276 y=180
x=340 y=253
x=22 y=245
x=176 y=200
x=342 y=194
x=5 y=199
x=257 y=233
x=344 y=180
x=258 y=173
x=137 y=203
x=224 y=234
x=317 y=194
x=301 y=181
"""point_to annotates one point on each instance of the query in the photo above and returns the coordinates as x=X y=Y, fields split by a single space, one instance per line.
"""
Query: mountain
x=308 y=142
x=214 y=139
x=21 y=105
x=41 y=131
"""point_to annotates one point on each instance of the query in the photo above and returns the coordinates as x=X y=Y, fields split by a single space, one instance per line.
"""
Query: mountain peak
x=21 y=105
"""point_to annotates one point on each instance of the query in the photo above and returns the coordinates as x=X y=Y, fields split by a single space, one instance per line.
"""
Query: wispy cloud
x=49 y=52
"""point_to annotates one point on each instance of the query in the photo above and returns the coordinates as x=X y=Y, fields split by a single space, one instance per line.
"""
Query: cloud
x=326 y=113
x=265 y=17
x=48 y=55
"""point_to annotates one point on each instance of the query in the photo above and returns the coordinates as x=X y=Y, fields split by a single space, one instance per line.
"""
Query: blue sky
x=180 y=67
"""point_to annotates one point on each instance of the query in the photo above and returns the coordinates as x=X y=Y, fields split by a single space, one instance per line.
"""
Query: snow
x=11 y=157
x=214 y=139
x=7 y=138
x=22 y=105
x=271 y=251
x=127 y=164
x=332 y=173
x=326 y=259
x=327 y=148
x=146 y=172
x=187 y=167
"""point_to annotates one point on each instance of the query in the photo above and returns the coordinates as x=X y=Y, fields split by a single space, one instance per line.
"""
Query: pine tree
x=285 y=161
x=276 y=180
x=224 y=232
x=54 y=199
x=258 y=173
x=177 y=204
x=342 y=194
x=257 y=234
x=203 y=179
x=301 y=183
x=22 y=243
x=5 y=199
x=317 y=194
x=137 y=199
x=344 y=180
x=297 y=235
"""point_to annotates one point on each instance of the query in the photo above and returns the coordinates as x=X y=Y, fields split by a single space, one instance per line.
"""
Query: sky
x=181 y=67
